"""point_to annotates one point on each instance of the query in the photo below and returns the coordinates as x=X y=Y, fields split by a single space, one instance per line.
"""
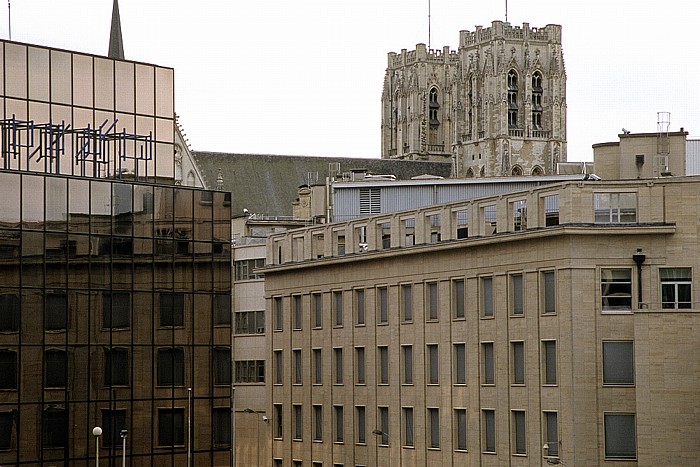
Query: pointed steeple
x=116 y=44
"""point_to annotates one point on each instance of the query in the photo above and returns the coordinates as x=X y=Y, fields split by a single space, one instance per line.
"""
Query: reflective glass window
x=33 y=202
x=56 y=203
x=10 y=206
x=100 y=207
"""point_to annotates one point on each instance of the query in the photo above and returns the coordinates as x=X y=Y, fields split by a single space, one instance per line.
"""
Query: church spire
x=116 y=44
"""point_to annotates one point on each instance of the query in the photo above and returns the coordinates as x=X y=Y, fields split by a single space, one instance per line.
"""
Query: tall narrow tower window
x=512 y=99
x=537 y=101
x=434 y=107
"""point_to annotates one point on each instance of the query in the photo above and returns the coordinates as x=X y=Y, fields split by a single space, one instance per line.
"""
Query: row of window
x=513 y=99
x=618 y=364
x=619 y=428
x=245 y=269
x=170 y=367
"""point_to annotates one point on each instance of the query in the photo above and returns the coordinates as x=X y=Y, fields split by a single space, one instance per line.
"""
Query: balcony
x=516 y=132
x=436 y=148
x=540 y=134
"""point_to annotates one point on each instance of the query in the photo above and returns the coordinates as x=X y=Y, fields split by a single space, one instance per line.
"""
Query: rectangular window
x=279 y=366
x=407 y=351
x=296 y=356
x=461 y=429
x=408 y=426
x=245 y=269
x=458 y=287
x=296 y=301
x=385 y=232
x=409 y=231
x=434 y=420
x=615 y=208
x=8 y=369
x=171 y=427
x=338 y=308
x=383 y=364
x=298 y=422
x=620 y=436
x=519 y=215
x=516 y=284
x=318 y=367
x=460 y=363
x=278 y=414
x=489 y=420
x=338 y=353
x=222 y=366
x=361 y=424
x=339 y=424
x=488 y=363
x=549 y=350
x=116 y=367
x=221 y=426
x=250 y=322
x=171 y=367
x=55 y=368
x=340 y=242
x=489 y=216
x=56 y=312
x=172 y=309
x=676 y=286
x=618 y=362
x=551 y=210
x=551 y=431
x=113 y=422
x=9 y=311
x=278 y=313
x=519 y=443
x=317 y=299
x=116 y=309
x=318 y=423
x=462 y=222
x=433 y=301
x=518 y=362
x=487 y=297
x=54 y=428
x=384 y=425
x=246 y=371
x=359 y=365
x=434 y=224
x=222 y=312
x=616 y=289
x=407 y=302
x=359 y=307
x=549 y=292
x=433 y=364
x=383 y=305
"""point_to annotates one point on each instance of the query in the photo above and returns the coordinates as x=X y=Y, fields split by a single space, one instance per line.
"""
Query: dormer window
x=512 y=85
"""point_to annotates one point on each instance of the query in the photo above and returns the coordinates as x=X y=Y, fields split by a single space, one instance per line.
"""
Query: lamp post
x=388 y=441
x=257 y=434
x=123 y=434
x=97 y=432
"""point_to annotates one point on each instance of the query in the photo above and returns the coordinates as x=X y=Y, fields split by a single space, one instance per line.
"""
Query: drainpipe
x=639 y=258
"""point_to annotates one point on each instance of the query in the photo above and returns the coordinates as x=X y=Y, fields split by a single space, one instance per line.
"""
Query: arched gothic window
x=512 y=85
x=434 y=107
x=537 y=101
x=537 y=171
x=517 y=171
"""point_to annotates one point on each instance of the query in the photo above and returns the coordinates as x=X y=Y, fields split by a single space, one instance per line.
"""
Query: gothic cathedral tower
x=496 y=107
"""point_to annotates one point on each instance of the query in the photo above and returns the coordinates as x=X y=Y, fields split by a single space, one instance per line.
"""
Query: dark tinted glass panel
x=113 y=422
x=55 y=366
x=9 y=257
x=78 y=206
x=32 y=258
x=222 y=309
x=171 y=367
x=9 y=193
x=222 y=366
x=54 y=428
x=56 y=203
x=100 y=207
x=122 y=208
x=32 y=202
x=116 y=367
x=171 y=424
x=7 y=423
x=222 y=426
x=143 y=211
x=56 y=312
x=9 y=311
x=172 y=307
x=8 y=369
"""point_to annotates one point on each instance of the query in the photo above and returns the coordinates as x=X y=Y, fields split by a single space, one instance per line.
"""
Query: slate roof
x=267 y=184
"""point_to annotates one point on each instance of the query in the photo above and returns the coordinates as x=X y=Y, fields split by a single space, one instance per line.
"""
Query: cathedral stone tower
x=495 y=107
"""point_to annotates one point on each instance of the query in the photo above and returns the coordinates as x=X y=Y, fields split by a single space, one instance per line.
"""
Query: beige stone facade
x=477 y=332
x=494 y=107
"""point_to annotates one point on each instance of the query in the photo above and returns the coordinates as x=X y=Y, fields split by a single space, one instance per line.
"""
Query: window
x=250 y=322
x=458 y=287
x=338 y=353
x=361 y=238
x=247 y=371
x=551 y=210
x=512 y=86
x=549 y=293
x=55 y=368
x=433 y=364
x=383 y=305
x=551 y=431
x=518 y=355
x=676 y=285
x=54 y=428
x=9 y=312
x=245 y=268
x=116 y=367
x=277 y=427
x=318 y=367
x=116 y=309
x=171 y=367
x=222 y=366
x=434 y=107
x=460 y=363
x=338 y=307
x=433 y=302
x=277 y=462
x=407 y=351
x=616 y=289
x=318 y=423
x=296 y=356
x=339 y=424
x=434 y=420
x=171 y=427
x=516 y=283
x=408 y=426
x=370 y=201
x=537 y=101
x=462 y=222
x=487 y=298
x=361 y=425
x=385 y=231
x=172 y=309
x=298 y=422
x=384 y=425
x=383 y=364
x=340 y=242
x=296 y=301
x=56 y=312
x=7 y=428
x=618 y=362
x=279 y=366
x=620 y=436
x=461 y=429
x=359 y=307
x=490 y=223
x=489 y=421
x=8 y=369
x=519 y=215
x=434 y=226
x=489 y=374
x=549 y=350
x=278 y=313
x=519 y=443
x=222 y=313
x=360 y=365
x=409 y=231
x=407 y=302
x=113 y=422
x=317 y=299
x=615 y=208
x=221 y=421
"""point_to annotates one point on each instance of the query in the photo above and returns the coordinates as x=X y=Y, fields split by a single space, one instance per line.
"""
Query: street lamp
x=388 y=441
x=257 y=434
x=123 y=434
x=97 y=432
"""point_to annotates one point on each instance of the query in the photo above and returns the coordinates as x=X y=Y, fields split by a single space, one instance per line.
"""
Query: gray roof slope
x=267 y=184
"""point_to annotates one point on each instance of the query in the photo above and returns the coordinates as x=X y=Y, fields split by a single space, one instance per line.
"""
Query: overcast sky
x=305 y=76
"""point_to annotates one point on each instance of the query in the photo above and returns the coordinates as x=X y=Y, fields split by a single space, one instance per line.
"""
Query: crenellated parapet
x=500 y=30
x=422 y=55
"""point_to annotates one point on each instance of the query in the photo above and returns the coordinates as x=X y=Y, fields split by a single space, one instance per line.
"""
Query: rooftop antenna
x=428 y=24
x=506 y=11
x=9 y=20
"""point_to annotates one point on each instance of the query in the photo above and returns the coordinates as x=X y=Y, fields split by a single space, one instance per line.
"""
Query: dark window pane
x=54 y=369
x=222 y=366
x=489 y=375
x=461 y=421
x=518 y=363
x=550 y=363
x=620 y=436
x=519 y=426
x=549 y=292
x=222 y=309
x=9 y=312
x=618 y=362
x=113 y=422
x=517 y=283
x=487 y=288
x=56 y=312
x=8 y=369
x=459 y=299
x=116 y=367
x=172 y=307
x=54 y=428
x=489 y=431
x=171 y=423
x=116 y=309
x=171 y=367
x=552 y=432
x=222 y=426
x=7 y=423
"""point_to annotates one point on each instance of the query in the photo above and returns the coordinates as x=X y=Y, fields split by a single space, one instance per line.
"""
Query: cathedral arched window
x=537 y=171
x=512 y=85
x=537 y=101
x=434 y=107
x=516 y=171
